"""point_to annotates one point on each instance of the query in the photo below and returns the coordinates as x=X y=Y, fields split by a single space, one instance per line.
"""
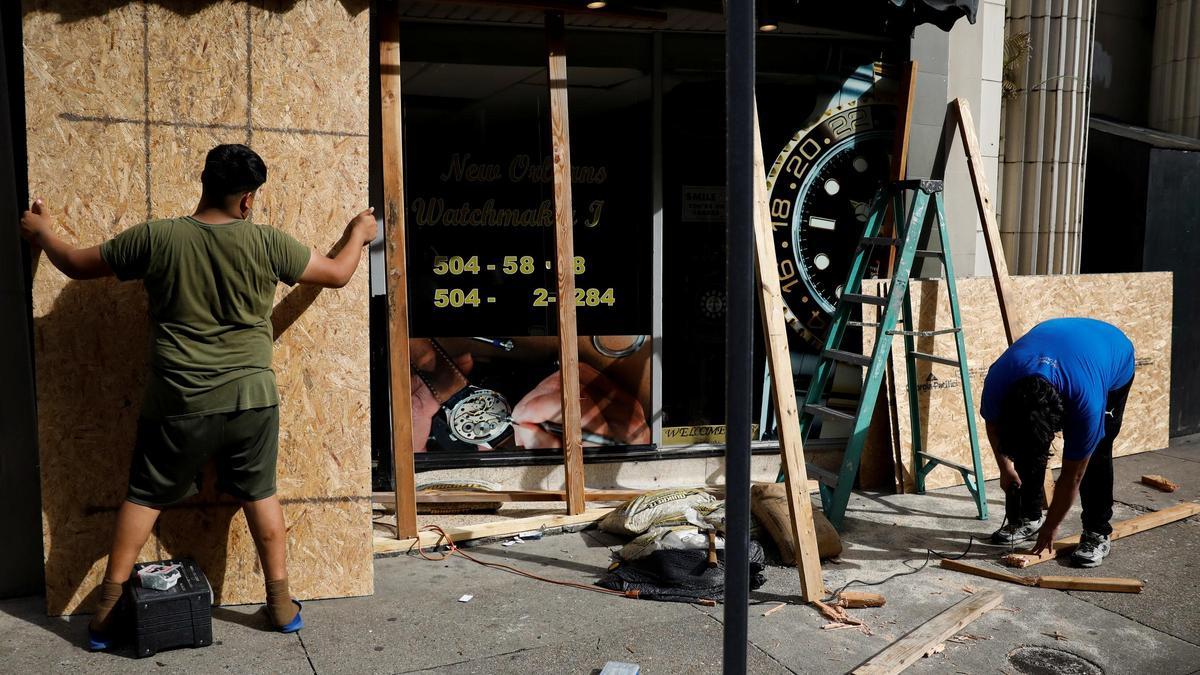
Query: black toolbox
x=178 y=617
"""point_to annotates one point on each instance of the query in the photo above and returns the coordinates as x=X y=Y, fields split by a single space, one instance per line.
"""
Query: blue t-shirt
x=1084 y=359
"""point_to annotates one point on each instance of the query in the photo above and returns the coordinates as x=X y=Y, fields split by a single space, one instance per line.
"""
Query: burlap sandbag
x=768 y=502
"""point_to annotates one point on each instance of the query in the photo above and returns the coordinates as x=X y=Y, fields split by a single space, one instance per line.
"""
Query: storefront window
x=479 y=193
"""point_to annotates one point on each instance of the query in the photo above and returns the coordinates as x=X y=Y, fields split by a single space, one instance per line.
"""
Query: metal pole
x=739 y=322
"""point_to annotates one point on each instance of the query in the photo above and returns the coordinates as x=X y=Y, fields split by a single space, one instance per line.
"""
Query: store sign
x=483 y=299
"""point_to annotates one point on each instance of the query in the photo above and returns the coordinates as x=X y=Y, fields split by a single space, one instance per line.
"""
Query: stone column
x=1044 y=136
x=1175 y=68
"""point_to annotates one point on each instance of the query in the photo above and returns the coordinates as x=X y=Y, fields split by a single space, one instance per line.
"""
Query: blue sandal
x=296 y=623
x=98 y=642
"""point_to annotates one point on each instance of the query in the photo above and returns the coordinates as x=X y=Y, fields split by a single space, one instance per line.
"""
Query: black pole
x=739 y=322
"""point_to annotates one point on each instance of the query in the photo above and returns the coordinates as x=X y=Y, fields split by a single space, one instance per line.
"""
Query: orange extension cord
x=454 y=549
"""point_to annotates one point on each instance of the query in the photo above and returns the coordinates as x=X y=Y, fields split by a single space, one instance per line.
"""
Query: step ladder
x=897 y=308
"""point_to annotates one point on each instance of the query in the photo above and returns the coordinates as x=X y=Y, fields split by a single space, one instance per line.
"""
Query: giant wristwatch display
x=821 y=187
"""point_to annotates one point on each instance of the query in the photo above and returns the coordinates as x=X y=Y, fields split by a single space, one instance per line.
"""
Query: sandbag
x=680 y=576
x=768 y=502
x=677 y=538
x=660 y=508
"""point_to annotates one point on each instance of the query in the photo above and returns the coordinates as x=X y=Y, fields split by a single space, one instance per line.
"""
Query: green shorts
x=169 y=456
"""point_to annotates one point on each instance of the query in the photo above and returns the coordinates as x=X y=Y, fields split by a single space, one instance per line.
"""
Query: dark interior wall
x=1173 y=244
x=1114 y=204
x=1121 y=66
x=20 y=502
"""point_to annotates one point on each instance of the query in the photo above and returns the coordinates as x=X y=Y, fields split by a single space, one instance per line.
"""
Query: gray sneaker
x=1015 y=533
x=1092 y=550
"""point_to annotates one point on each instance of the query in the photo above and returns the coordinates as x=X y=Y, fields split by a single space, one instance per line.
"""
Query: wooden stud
x=1109 y=584
x=1160 y=483
x=564 y=265
x=1121 y=529
x=987 y=216
x=779 y=358
x=1106 y=584
x=399 y=366
x=967 y=568
x=909 y=649
x=500 y=528
x=961 y=111
x=451 y=496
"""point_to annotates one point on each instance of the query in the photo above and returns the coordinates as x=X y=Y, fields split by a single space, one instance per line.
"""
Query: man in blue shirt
x=1071 y=375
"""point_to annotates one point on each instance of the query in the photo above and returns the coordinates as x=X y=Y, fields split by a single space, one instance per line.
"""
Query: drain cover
x=1050 y=661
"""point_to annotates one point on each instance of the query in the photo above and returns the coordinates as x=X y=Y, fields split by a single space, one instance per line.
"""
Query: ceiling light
x=597 y=4
x=768 y=26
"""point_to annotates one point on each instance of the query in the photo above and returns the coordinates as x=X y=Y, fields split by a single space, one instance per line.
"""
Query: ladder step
x=846 y=357
x=879 y=241
x=921 y=253
x=935 y=359
x=953 y=465
x=828 y=412
x=865 y=299
x=925 y=333
x=823 y=475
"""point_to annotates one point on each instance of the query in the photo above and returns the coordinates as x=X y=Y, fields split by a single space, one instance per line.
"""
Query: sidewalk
x=414 y=622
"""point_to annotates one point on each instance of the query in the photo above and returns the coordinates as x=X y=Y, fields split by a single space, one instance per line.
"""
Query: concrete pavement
x=414 y=622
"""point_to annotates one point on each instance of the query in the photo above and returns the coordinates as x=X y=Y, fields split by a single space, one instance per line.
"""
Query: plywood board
x=1139 y=304
x=123 y=100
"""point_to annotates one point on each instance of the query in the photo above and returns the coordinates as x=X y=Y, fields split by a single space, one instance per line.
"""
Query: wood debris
x=774 y=609
x=1160 y=483
x=936 y=649
x=1057 y=636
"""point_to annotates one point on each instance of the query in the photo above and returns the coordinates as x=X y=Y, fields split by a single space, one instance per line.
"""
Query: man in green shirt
x=210 y=278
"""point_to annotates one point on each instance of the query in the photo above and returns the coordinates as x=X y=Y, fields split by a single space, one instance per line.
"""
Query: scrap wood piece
x=1159 y=482
x=910 y=648
x=836 y=614
x=774 y=609
x=1063 y=583
x=859 y=599
x=1123 y=528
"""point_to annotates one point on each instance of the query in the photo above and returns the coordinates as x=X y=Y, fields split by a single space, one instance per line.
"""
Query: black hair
x=232 y=169
x=1031 y=413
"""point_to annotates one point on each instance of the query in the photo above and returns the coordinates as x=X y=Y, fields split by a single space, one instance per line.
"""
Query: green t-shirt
x=211 y=290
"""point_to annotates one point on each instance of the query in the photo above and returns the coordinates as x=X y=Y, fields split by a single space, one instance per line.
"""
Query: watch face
x=479 y=418
x=821 y=189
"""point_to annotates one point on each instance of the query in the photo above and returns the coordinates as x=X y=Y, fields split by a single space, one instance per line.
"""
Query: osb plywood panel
x=123 y=100
x=1138 y=304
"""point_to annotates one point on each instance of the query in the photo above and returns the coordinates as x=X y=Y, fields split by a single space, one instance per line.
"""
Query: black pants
x=1096 y=489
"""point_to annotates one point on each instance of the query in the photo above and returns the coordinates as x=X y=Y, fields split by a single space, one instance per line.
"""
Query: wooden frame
x=405 y=497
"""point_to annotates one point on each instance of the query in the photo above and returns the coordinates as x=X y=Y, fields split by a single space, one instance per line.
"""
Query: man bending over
x=1071 y=375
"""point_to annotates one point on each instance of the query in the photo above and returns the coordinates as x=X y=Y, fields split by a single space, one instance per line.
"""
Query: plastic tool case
x=178 y=617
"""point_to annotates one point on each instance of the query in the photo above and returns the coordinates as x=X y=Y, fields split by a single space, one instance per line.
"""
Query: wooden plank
x=909 y=649
x=499 y=528
x=967 y=568
x=1160 y=483
x=564 y=261
x=1121 y=529
x=452 y=496
x=991 y=239
x=1009 y=315
x=1108 y=584
x=783 y=388
x=396 y=276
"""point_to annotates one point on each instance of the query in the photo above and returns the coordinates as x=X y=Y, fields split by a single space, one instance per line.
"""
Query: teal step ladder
x=835 y=487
